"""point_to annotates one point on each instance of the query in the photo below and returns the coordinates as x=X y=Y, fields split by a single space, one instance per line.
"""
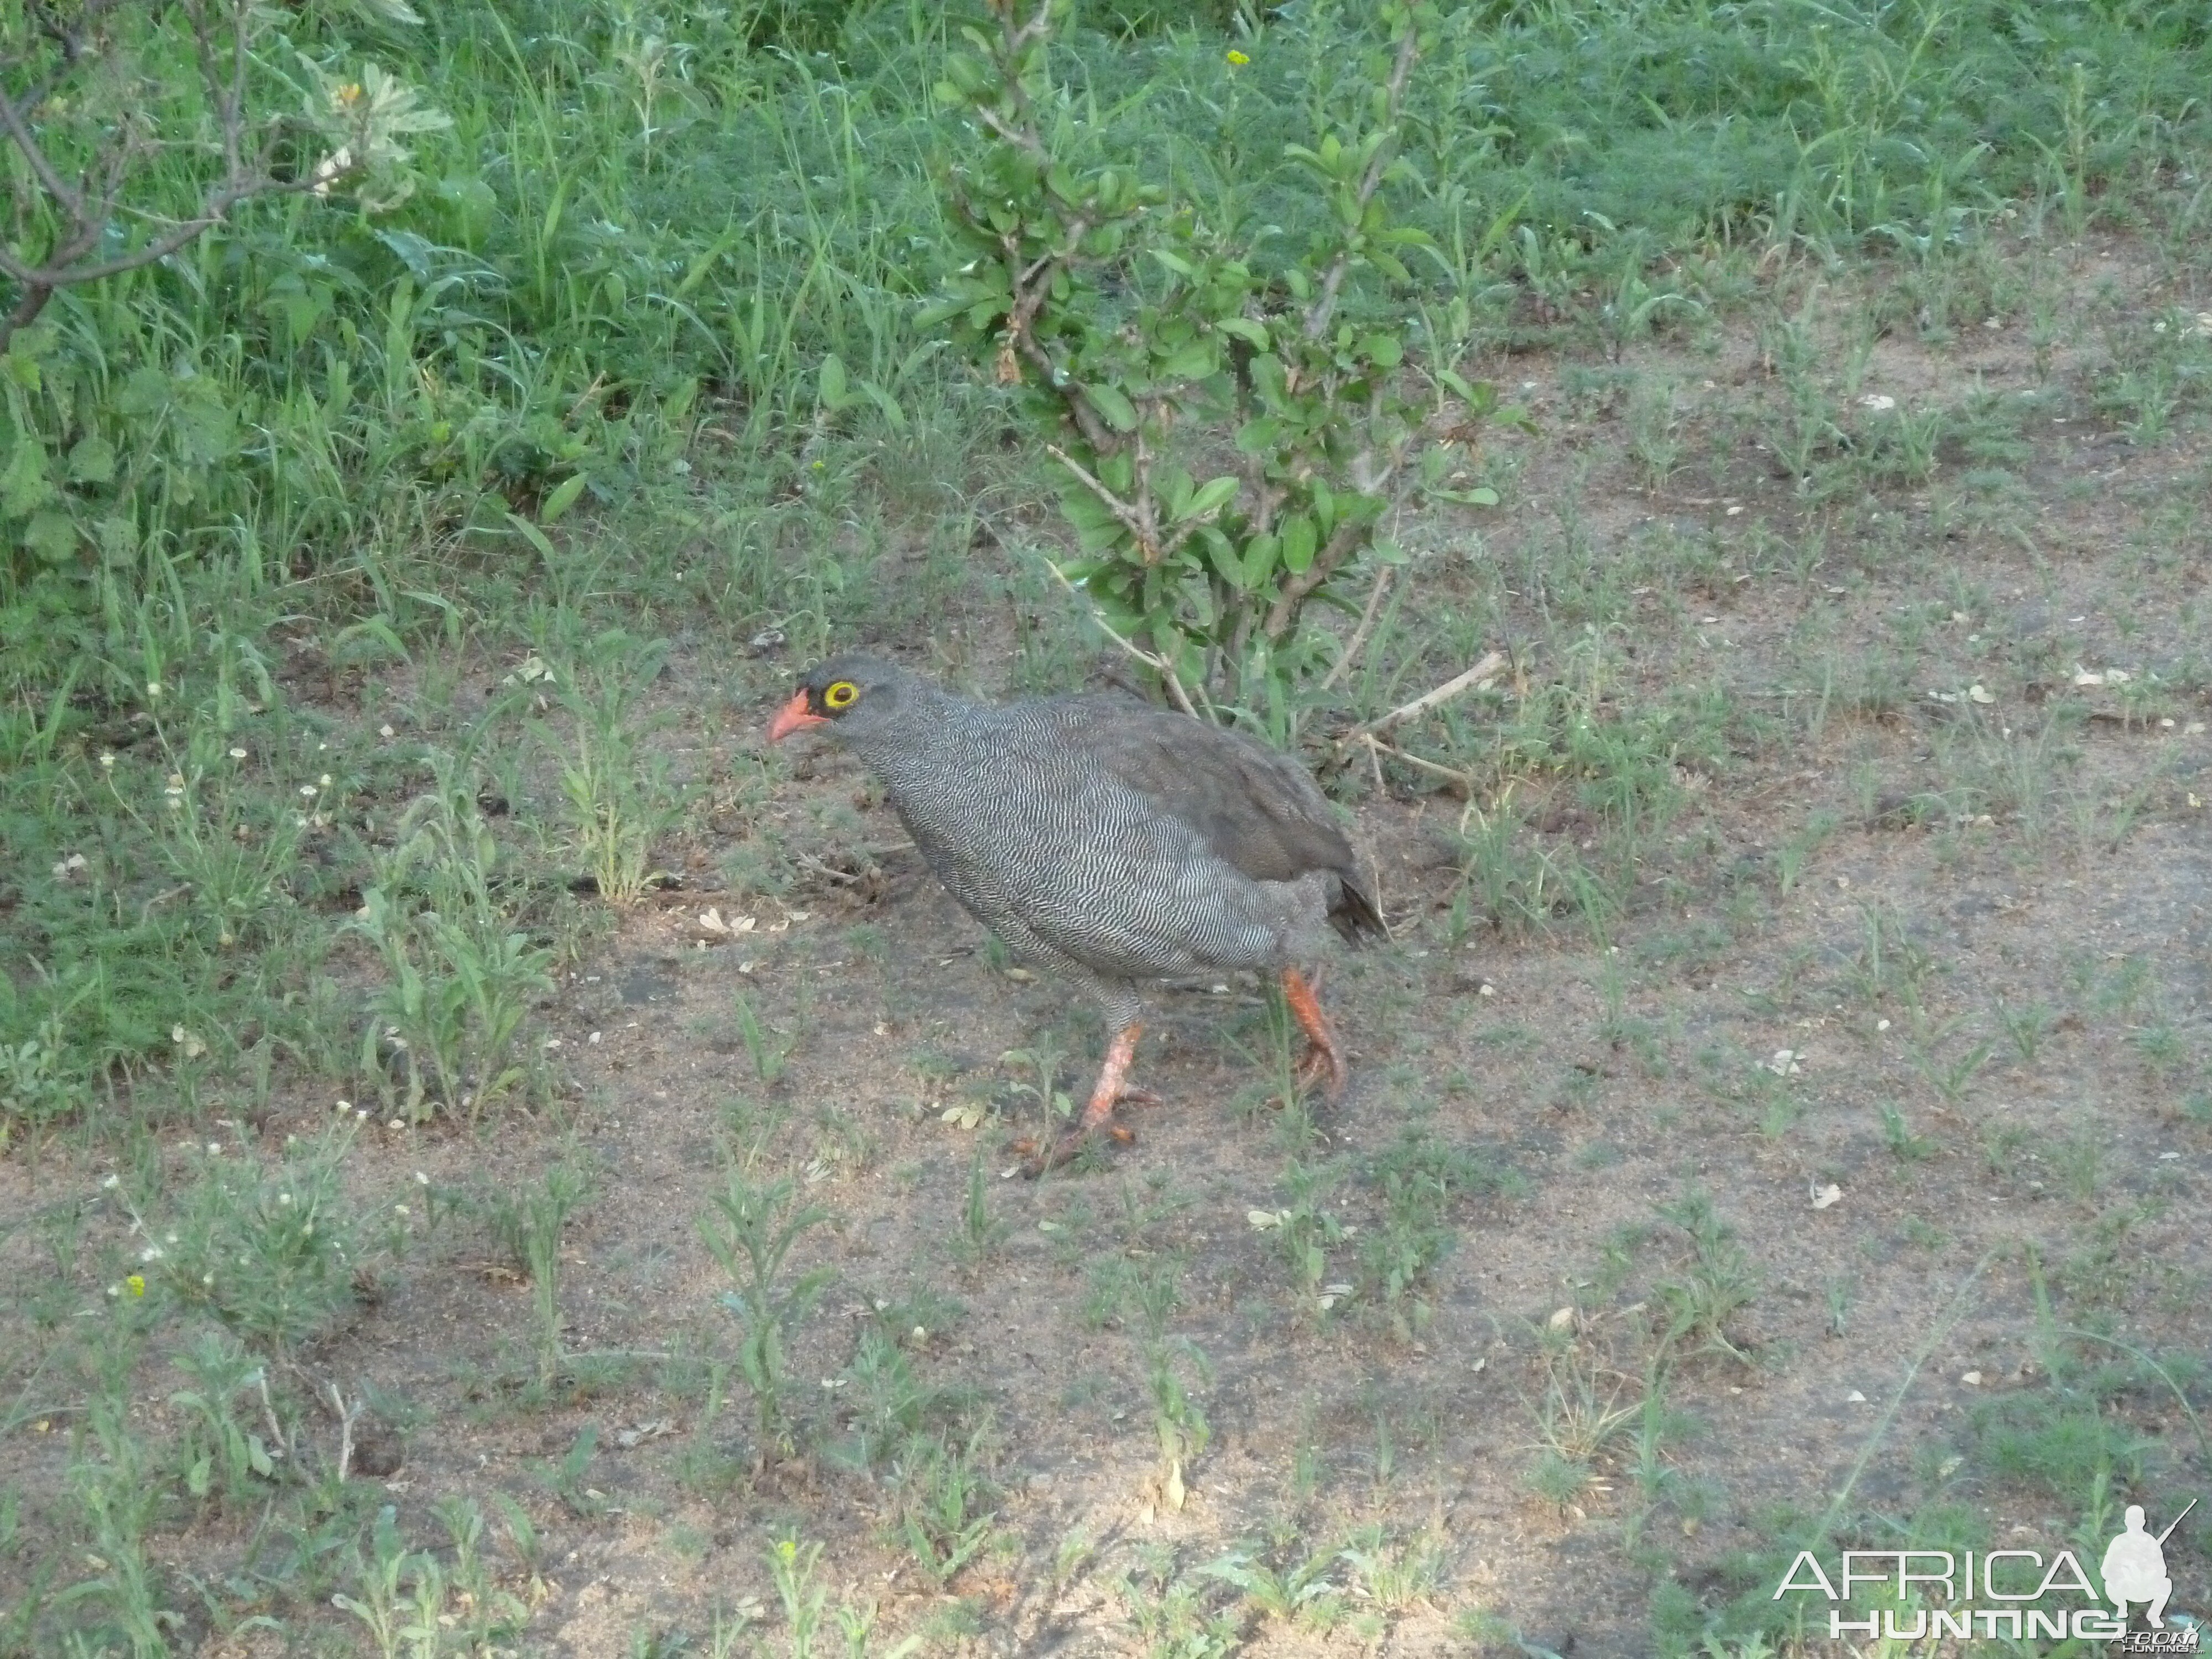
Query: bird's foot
x=1323 y=1067
x=1112 y=1089
x=1069 y=1146
x=1324 y=1058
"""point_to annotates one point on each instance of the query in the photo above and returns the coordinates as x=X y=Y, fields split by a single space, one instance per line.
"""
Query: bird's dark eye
x=842 y=695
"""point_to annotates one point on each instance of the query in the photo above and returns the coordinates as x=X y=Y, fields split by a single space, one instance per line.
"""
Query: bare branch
x=1377 y=746
x=1283 y=614
x=346 y=1415
x=1121 y=509
x=14 y=119
x=222 y=32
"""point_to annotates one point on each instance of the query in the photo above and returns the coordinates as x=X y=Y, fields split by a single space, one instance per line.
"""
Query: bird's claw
x=1067 y=1148
x=1322 y=1068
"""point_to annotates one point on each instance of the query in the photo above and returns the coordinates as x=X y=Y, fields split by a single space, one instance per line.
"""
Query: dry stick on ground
x=1370 y=734
x=1377 y=746
x=88 y=208
x=1480 y=674
x=346 y=1416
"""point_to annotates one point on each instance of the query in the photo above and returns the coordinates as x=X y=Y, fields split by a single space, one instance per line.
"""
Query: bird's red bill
x=791 y=717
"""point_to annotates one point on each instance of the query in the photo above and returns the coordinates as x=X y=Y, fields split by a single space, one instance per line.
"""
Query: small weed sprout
x=1306 y=1232
x=980 y=1231
x=459 y=979
x=1897 y=1134
x=1275 y=1583
x=222 y=1456
x=529 y=1227
x=768 y=1049
x=1155 y=1291
x=751 y=1234
x=618 y=804
x=2024 y=1025
x=945 y=1515
x=1716 y=1284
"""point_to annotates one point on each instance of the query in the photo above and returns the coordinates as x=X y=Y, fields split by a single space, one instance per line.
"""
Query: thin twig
x=90 y=205
x=1113 y=503
x=1358 y=642
x=269 y=1416
x=1342 y=544
x=821 y=869
x=1158 y=664
x=345 y=1416
x=1434 y=769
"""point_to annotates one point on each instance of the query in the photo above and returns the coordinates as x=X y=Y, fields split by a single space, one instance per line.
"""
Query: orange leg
x=1113 y=1087
x=1324 y=1061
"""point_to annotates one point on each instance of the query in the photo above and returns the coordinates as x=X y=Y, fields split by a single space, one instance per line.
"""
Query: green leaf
x=24 y=486
x=1300 y=543
x=1453 y=383
x=833 y=392
x=1261 y=554
x=146 y=392
x=50 y=534
x=1114 y=407
x=562 y=498
x=1245 y=329
x=531 y=533
x=1210 y=496
x=1383 y=350
x=886 y=405
x=1194 y=362
x=205 y=425
x=1255 y=437
x=92 y=461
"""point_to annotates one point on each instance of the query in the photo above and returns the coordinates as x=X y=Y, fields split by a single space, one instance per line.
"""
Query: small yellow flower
x=1237 y=57
x=137 y=1284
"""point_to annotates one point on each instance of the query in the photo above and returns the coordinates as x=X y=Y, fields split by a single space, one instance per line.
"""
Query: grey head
x=851 y=698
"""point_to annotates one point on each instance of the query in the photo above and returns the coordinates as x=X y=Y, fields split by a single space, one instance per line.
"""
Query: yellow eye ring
x=843 y=695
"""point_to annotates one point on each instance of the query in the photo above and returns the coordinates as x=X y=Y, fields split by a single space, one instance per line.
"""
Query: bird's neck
x=932 y=729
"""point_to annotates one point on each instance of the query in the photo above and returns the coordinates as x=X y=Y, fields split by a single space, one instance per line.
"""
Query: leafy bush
x=1135 y=338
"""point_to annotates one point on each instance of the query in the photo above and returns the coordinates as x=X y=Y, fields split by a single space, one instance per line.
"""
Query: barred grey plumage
x=1105 y=841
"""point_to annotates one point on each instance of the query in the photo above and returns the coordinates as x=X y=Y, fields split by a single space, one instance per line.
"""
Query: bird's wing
x=1258 y=810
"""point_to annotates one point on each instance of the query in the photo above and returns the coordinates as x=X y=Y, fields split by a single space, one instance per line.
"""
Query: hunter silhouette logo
x=2134 y=1571
x=2012 y=1593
